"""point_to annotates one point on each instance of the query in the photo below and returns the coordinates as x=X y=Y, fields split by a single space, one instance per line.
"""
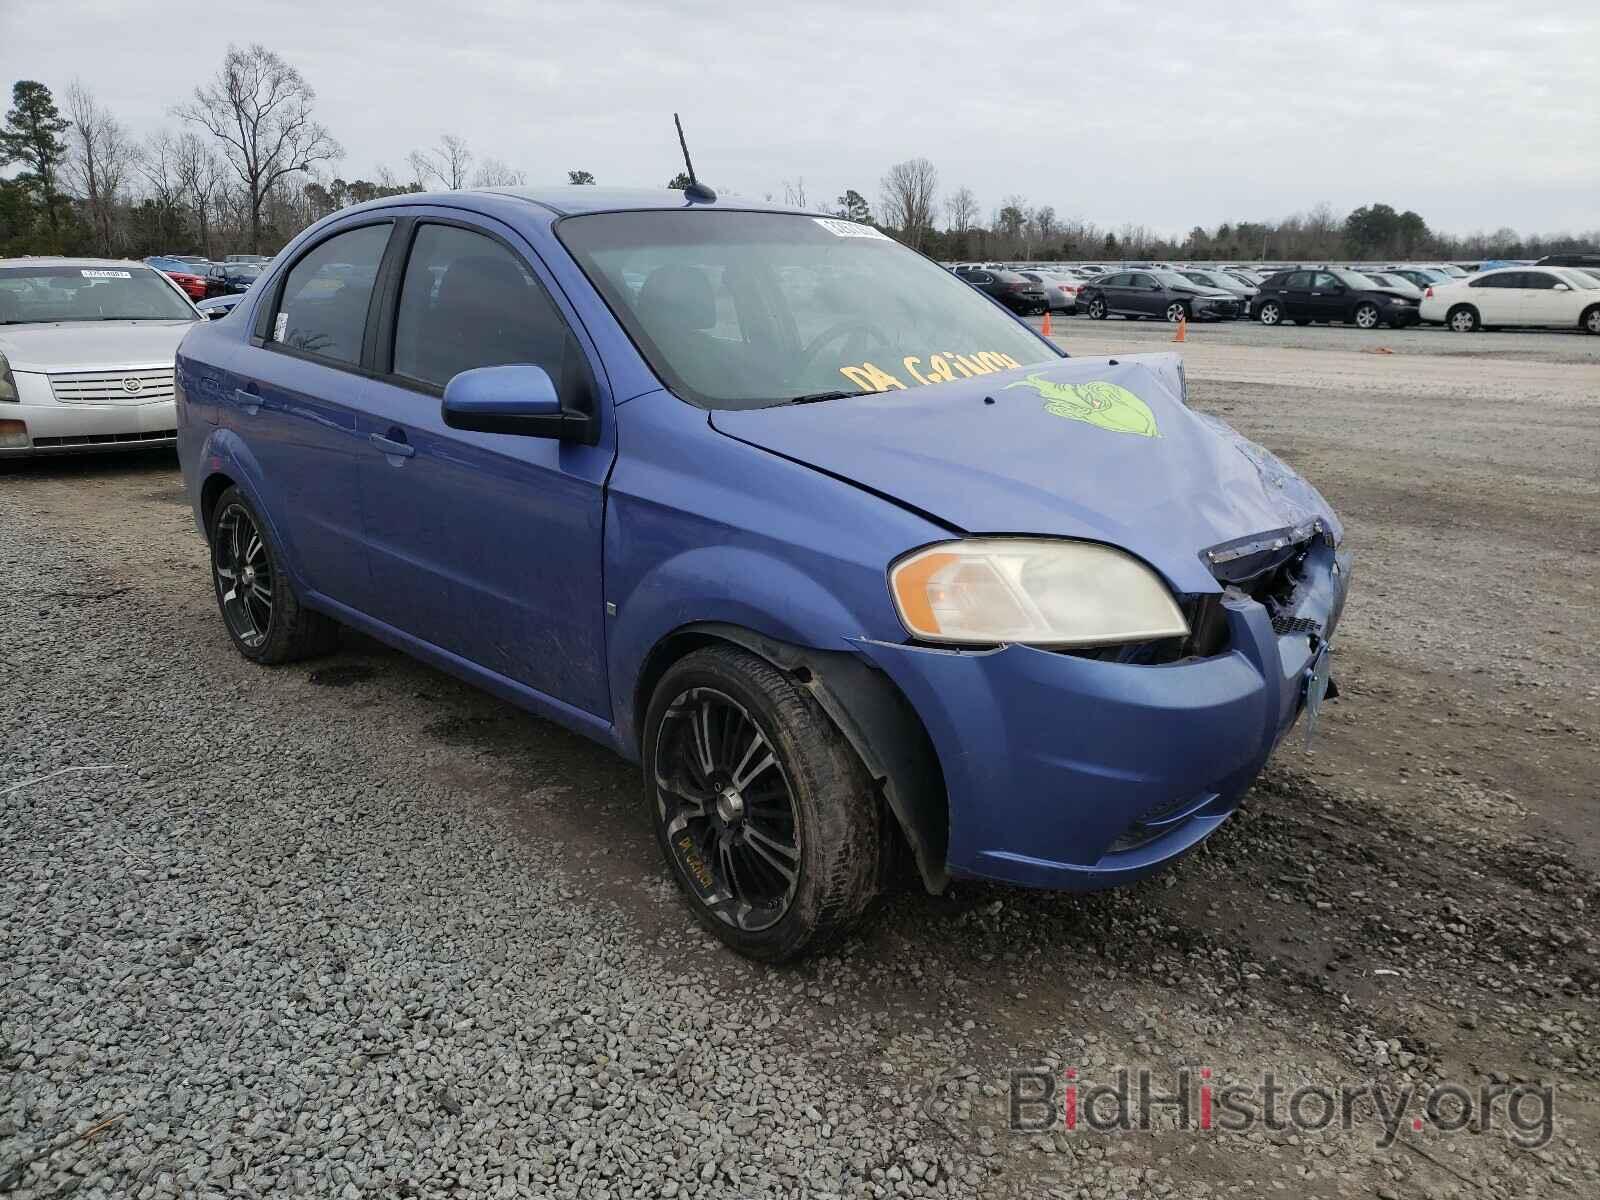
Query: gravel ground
x=350 y=928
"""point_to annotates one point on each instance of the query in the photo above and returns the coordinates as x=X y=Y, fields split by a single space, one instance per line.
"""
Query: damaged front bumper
x=1077 y=773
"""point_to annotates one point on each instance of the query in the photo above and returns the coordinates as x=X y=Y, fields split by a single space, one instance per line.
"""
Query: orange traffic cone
x=1046 y=330
x=1183 y=330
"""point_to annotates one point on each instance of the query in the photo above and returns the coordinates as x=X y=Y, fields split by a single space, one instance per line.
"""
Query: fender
x=873 y=715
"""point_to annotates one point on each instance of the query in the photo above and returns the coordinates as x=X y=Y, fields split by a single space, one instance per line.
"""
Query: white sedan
x=1556 y=297
x=86 y=355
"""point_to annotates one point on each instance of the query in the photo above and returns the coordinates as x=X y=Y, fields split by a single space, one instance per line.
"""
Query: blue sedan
x=855 y=564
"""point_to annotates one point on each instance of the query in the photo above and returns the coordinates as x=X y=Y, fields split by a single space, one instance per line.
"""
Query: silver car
x=86 y=355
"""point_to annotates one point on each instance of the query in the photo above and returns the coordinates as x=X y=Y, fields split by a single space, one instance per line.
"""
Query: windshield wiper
x=817 y=397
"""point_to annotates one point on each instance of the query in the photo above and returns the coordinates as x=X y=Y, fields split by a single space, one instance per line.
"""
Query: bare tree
x=446 y=164
x=158 y=165
x=961 y=209
x=259 y=107
x=907 y=202
x=199 y=173
x=794 y=194
x=495 y=173
x=100 y=155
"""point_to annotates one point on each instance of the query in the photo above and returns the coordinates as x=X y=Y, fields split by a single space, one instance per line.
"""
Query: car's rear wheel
x=1463 y=318
x=1097 y=309
x=1269 y=313
x=1590 y=320
x=1367 y=316
x=1177 y=311
x=765 y=814
x=260 y=608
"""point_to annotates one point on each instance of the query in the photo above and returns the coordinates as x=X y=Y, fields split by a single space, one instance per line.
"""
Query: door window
x=1539 y=280
x=1326 y=281
x=1299 y=281
x=323 y=310
x=467 y=301
x=1144 y=281
x=1505 y=279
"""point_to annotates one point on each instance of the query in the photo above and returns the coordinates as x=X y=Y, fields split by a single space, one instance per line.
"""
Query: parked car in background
x=1332 y=294
x=1022 y=296
x=219 y=306
x=230 y=278
x=86 y=355
x=1557 y=297
x=1585 y=260
x=1228 y=282
x=1395 y=283
x=1420 y=277
x=1156 y=293
x=718 y=525
x=258 y=259
x=183 y=273
x=1061 y=291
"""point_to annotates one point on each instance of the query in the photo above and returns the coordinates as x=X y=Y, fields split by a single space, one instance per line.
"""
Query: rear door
x=1297 y=296
x=486 y=545
x=1499 y=298
x=294 y=403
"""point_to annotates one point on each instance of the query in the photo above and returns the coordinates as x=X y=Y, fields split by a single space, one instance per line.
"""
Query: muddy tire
x=260 y=608
x=767 y=818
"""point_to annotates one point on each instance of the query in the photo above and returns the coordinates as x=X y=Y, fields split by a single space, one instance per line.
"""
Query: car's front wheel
x=1097 y=309
x=1177 y=311
x=1462 y=319
x=260 y=608
x=1269 y=313
x=1590 y=320
x=1367 y=316
x=764 y=812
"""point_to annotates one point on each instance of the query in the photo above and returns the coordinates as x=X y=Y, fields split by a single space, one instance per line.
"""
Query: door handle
x=249 y=401
x=390 y=446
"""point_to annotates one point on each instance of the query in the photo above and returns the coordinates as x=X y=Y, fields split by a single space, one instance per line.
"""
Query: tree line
x=246 y=166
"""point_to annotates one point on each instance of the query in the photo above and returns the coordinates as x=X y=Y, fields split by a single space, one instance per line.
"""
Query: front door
x=487 y=545
x=1329 y=299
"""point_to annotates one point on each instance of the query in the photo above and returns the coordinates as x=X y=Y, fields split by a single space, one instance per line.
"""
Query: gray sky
x=1476 y=113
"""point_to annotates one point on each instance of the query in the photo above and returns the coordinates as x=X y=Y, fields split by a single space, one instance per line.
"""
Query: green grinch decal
x=1104 y=404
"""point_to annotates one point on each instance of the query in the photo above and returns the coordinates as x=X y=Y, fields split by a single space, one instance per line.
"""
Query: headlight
x=8 y=382
x=1035 y=591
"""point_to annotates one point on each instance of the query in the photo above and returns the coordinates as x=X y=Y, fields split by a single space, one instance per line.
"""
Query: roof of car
x=587 y=198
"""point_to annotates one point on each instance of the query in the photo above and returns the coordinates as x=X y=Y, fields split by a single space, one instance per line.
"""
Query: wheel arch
x=867 y=708
x=210 y=492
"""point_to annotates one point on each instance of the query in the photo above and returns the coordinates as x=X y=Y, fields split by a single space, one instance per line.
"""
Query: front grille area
x=106 y=439
x=113 y=387
x=1282 y=624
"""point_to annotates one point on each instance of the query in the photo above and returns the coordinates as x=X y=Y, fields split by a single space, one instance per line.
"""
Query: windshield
x=1176 y=279
x=1353 y=280
x=748 y=310
x=37 y=295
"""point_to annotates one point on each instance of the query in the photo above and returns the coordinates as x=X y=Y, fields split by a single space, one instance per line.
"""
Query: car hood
x=1199 y=289
x=1050 y=450
x=1395 y=292
x=92 y=345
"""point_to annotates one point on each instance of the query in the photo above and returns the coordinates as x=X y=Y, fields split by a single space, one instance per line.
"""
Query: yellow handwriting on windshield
x=938 y=368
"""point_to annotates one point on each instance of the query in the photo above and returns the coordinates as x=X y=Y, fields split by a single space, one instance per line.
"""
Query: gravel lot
x=350 y=929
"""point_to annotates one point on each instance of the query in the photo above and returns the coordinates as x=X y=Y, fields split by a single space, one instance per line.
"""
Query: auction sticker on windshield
x=850 y=229
x=105 y=274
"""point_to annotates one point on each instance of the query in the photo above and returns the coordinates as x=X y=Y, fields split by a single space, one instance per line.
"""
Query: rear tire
x=1463 y=318
x=764 y=812
x=260 y=608
x=1270 y=313
x=1097 y=309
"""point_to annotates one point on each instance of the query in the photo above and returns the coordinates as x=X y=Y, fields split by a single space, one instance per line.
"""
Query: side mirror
x=517 y=399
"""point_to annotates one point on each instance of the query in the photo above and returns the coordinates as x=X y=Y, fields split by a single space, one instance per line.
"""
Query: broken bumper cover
x=1075 y=773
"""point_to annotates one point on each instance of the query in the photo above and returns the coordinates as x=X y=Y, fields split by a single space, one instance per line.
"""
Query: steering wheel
x=850 y=333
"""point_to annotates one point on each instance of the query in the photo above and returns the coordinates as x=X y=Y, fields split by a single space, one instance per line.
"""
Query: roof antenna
x=696 y=190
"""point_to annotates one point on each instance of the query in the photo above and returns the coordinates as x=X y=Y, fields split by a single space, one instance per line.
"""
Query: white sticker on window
x=105 y=274
x=850 y=229
x=280 y=327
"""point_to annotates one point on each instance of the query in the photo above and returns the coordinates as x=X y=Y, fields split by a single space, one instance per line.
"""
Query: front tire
x=764 y=812
x=1270 y=313
x=1590 y=321
x=1463 y=319
x=260 y=608
x=1367 y=316
x=1177 y=311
